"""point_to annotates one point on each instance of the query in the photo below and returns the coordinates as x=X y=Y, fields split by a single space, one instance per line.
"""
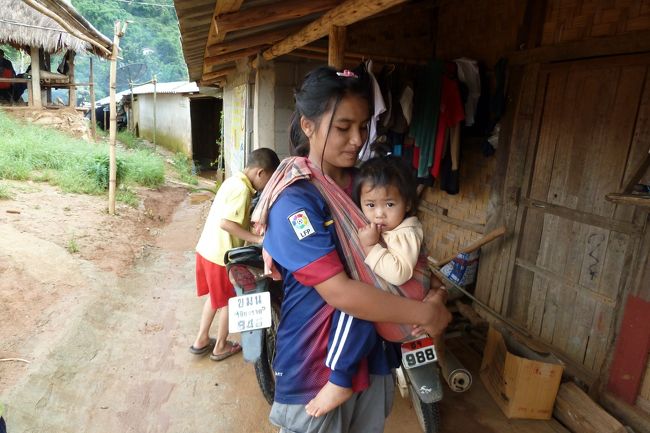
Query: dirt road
x=106 y=325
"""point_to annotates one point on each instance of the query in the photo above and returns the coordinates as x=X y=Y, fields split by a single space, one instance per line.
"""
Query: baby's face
x=383 y=205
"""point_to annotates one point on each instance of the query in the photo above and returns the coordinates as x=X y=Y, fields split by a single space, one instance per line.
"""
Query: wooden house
x=573 y=271
x=45 y=27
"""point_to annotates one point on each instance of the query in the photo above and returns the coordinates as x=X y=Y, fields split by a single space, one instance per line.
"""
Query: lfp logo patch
x=301 y=224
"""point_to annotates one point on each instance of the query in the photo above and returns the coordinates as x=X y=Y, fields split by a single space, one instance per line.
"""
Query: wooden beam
x=209 y=62
x=222 y=7
x=344 y=14
x=211 y=76
x=377 y=58
x=36 y=77
x=629 y=199
x=630 y=415
x=336 y=51
x=266 y=38
x=227 y=6
x=263 y=15
x=581 y=414
x=584 y=217
x=635 y=42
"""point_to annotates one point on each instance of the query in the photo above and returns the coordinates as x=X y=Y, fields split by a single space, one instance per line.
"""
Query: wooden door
x=575 y=249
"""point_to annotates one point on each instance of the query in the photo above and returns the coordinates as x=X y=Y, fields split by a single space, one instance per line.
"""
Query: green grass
x=125 y=195
x=72 y=246
x=5 y=192
x=129 y=139
x=183 y=166
x=45 y=155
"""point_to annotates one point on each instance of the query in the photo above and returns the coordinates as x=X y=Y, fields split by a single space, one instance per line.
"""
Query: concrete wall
x=235 y=107
x=173 y=121
x=289 y=74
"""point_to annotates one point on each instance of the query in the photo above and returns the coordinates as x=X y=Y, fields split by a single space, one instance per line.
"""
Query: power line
x=144 y=3
x=16 y=23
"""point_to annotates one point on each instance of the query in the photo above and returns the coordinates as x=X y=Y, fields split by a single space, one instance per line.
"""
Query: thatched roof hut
x=53 y=25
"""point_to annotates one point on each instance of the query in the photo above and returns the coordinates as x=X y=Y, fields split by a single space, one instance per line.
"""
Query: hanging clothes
x=424 y=122
x=468 y=73
x=378 y=109
x=451 y=114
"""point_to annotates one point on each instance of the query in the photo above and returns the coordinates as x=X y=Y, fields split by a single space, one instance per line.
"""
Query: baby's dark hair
x=321 y=89
x=387 y=171
x=263 y=158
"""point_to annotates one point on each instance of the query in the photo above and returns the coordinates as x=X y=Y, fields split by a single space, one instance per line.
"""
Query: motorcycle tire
x=428 y=414
x=264 y=365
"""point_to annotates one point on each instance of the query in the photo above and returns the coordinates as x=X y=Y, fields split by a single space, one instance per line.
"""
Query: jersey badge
x=301 y=224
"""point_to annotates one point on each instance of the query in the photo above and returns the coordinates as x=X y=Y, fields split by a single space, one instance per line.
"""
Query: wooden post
x=35 y=94
x=93 y=115
x=112 y=178
x=72 y=90
x=154 y=111
x=336 y=50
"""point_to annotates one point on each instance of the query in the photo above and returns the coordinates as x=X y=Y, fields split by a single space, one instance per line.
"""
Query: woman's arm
x=366 y=302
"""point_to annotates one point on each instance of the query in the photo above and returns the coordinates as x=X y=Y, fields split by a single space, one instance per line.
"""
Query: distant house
x=45 y=27
x=185 y=121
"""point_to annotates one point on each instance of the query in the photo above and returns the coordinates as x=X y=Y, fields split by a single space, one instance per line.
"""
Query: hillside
x=152 y=38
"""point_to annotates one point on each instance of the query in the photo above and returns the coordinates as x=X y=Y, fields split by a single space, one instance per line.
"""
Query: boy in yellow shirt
x=227 y=227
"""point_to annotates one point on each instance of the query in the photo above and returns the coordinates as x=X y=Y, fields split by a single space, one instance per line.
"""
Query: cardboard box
x=522 y=387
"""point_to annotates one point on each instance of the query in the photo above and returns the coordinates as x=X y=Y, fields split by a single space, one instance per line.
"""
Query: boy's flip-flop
x=205 y=349
x=234 y=348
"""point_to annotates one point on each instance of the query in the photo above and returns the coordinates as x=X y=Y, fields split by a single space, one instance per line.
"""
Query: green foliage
x=129 y=139
x=145 y=168
x=5 y=192
x=41 y=154
x=98 y=170
x=72 y=245
x=151 y=38
x=183 y=166
x=125 y=195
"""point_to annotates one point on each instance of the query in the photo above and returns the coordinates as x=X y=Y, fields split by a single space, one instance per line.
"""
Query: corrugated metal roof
x=173 y=87
x=178 y=87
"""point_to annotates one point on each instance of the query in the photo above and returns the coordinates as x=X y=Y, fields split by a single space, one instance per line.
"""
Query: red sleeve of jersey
x=320 y=270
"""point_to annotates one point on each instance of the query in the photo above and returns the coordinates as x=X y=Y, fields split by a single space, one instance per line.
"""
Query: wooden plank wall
x=413 y=41
x=481 y=30
x=578 y=20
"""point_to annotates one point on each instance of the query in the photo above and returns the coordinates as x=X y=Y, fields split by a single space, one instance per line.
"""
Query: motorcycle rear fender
x=426 y=381
x=251 y=341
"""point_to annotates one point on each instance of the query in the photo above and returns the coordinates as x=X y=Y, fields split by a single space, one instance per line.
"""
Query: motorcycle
x=246 y=272
x=418 y=377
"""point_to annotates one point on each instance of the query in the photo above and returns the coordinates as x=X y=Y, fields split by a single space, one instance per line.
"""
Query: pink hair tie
x=347 y=74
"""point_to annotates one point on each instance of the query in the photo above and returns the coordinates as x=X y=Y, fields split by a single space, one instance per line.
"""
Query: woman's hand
x=439 y=315
x=369 y=236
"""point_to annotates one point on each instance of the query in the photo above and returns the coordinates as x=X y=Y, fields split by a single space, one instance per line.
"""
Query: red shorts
x=213 y=279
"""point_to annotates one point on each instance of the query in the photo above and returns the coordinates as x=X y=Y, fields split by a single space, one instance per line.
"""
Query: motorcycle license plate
x=249 y=312
x=418 y=352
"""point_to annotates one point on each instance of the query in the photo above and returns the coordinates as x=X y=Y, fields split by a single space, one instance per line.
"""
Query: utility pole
x=119 y=31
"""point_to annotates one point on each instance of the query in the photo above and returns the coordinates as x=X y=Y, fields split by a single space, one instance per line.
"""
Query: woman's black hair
x=387 y=171
x=321 y=89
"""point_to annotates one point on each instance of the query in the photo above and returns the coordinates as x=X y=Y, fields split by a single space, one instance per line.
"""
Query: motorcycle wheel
x=264 y=365
x=428 y=414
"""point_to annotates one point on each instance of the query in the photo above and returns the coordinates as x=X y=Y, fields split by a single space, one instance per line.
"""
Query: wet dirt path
x=116 y=359
x=122 y=362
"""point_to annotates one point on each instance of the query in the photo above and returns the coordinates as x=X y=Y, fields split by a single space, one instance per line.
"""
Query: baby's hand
x=369 y=235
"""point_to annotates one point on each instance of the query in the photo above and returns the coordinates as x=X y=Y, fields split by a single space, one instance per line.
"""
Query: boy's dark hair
x=263 y=158
x=321 y=89
x=388 y=171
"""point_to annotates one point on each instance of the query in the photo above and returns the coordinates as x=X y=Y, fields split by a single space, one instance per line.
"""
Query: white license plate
x=418 y=352
x=249 y=312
